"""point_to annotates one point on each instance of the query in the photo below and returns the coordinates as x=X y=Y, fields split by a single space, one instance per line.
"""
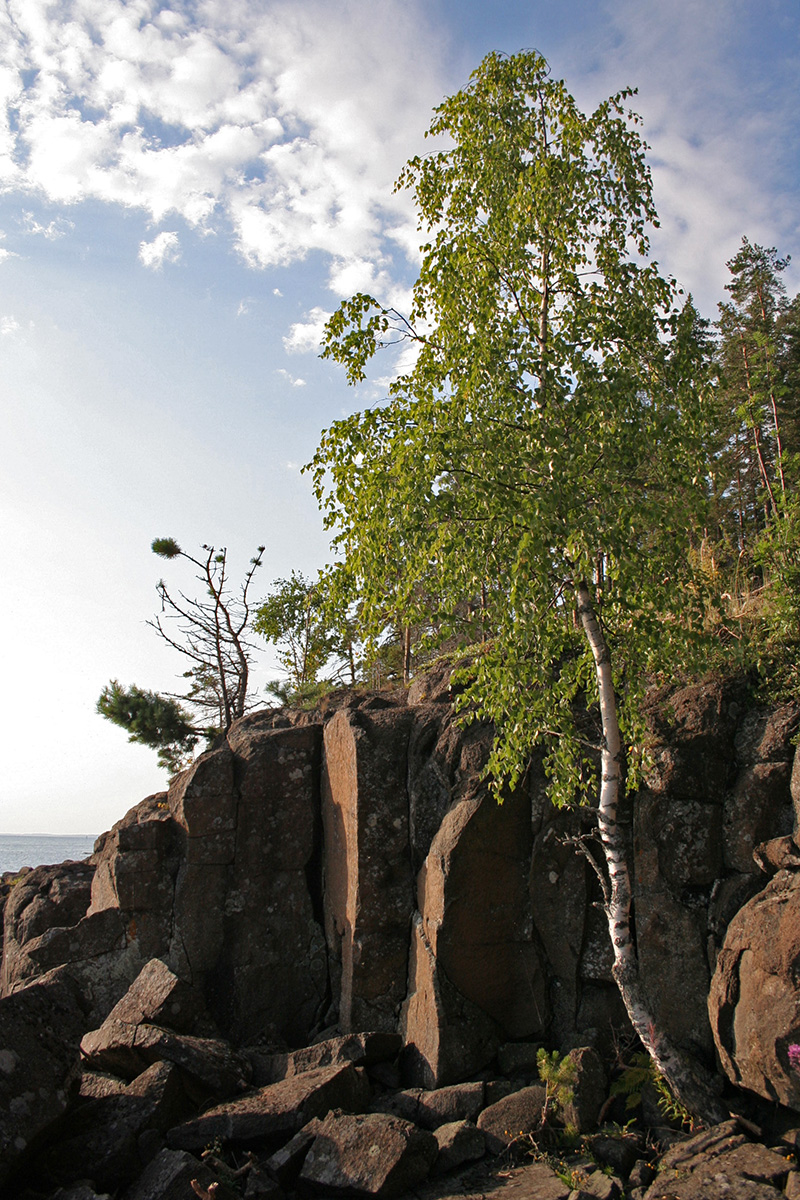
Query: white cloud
x=276 y=120
x=304 y=337
x=277 y=292
x=4 y=254
x=8 y=326
x=164 y=248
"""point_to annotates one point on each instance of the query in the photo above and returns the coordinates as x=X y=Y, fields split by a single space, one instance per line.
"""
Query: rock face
x=368 y=881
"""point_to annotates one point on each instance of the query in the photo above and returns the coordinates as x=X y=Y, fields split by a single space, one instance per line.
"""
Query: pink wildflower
x=794 y=1055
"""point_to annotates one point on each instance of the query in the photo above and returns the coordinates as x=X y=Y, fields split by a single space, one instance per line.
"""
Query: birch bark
x=691 y=1084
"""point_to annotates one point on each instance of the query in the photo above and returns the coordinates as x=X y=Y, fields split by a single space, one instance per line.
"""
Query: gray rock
x=459 y=1142
x=368 y=1155
x=360 y=1049
x=278 y=1109
x=158 y=997
x=518 y=1114
x=719 y=1164
x=753 y=1003
x=40 y=1027
x=169 y=1176
x=590 y=1090
x=369 y=891
x=127 y=1050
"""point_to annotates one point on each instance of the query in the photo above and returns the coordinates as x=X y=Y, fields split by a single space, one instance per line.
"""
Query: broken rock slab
x=720 y=1164
x=127 y=1050
x=110 y=1138
x=430 y=1109
x=158 y=997
x=278 y=1110
x=169 y=1177
x=360 y=1049
x=369 y=1154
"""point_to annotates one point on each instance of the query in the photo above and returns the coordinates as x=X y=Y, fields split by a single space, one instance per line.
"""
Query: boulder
x=430 y=1109
x=40 y=1028
x=369 y=894
x=285 y=1164
x=459 y=1142
x=278 y=1110
x=754 y=1002
x=103 y=1139
x=589 y=1090
x=368 y=1155
x=514 y=1116
x=111 y=1138
x=82 y=1191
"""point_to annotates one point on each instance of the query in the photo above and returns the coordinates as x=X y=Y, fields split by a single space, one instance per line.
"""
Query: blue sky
x=185 y=192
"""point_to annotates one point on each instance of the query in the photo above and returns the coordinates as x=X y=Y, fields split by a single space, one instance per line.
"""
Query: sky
x=186 y=192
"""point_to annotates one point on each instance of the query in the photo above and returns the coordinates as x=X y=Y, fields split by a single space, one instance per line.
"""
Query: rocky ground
x=157 y=1106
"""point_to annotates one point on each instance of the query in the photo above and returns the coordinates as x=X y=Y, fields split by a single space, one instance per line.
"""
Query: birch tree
x=543 y=457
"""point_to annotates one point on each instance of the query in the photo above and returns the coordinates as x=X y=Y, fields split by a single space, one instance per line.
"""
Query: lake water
x=36 y=850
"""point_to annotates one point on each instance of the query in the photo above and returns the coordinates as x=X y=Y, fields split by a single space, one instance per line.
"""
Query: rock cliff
x=347 y=870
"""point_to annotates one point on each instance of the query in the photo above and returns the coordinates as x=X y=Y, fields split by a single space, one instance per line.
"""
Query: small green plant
x=557 y=1073
x=642 y=1073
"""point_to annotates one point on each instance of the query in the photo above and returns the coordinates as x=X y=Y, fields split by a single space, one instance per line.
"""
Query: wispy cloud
x=717 y=129
x=292 y=379
x=244 y=115
x=8 y=326
x=164 y=248
x=57 y=228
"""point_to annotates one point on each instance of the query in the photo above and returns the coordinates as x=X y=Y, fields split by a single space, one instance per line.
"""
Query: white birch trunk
x=691 y=1084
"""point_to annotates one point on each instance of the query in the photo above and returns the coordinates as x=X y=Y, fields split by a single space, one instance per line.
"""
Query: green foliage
x=151 y=719
x=552 y=430
x=166 y=548
x=557 y=1073
x=774 y=629
x=294 y=617
x=642 y=1073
